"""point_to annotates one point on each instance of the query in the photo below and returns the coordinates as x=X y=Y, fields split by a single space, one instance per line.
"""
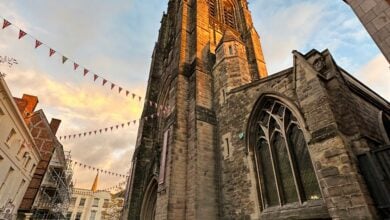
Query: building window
x=281 y=156
x=164 y=153
x=68 y=216
x=10 y=136
x=78 y=216
x=95 y=202
x=93 y=215
x=228 y=13
x=7 y=177
x=73 y=201
x=212 y=8
x=82 y=202
x=384 y=125
x=106 y=202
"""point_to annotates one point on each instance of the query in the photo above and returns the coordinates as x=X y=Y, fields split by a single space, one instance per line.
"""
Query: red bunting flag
x=6 y=23
x=128 y=123
x=60 y=137
x=123 y=125
x=104 y=82
x=22 y=34
x=64 y=59
x=100 y=130
x=51 y=52
x=117 y=126
x=127 y=93
x=85 y=134
x=95 y=77
x=120 y=89
x=105 y=129
x=112 y=86
x=75 y=66
x=134 y=121
x=37 y=44
x=112 y=128
x=86 y=72
x=139 y=98
x=95 y=132
x=133 y=95
x=89 y=133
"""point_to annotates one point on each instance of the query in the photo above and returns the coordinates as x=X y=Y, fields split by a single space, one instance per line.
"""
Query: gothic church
x=231 y=142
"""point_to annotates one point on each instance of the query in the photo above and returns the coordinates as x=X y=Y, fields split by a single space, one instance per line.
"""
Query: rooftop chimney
x=32 y=102
x=54 y=125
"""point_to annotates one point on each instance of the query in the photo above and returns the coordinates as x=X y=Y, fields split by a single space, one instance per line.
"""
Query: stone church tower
x=231 y=142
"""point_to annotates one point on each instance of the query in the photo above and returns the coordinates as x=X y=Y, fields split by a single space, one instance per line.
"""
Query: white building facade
x=88 y=205
x=18 y=155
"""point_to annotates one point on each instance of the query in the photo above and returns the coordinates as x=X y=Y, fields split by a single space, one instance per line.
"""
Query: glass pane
x=304 y=165
x=284 y=170
x=269 y=186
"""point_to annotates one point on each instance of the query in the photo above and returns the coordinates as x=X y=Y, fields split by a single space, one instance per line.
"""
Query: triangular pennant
x=112 y=86
x=95 y=132
x=105 y=129
x=60 y=137
x=117 y=126
x=64 y=59
x=74 y=136
x=95 y=77
x=112 y=128
x=89 y=133
x=22 y=34
x=104 y=82
x=135 y=121
x=128 y=123
x=75 y=66
x=85 y=134
x=139 y=98
x=127 y=93
x=6 y=23
x=86 y=72
x=51 y=52
x=80 y=135
x=123 y=125
x=133 y=95
x=37 y=43
x=100 y=130
x=120 y=89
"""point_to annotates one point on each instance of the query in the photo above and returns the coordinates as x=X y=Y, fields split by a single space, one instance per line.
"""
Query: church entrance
x=148 y=211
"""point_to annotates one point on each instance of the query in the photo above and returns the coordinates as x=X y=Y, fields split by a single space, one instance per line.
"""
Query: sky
x=116 y=38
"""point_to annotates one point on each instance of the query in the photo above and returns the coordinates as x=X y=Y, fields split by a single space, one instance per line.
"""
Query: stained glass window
x=283 y=161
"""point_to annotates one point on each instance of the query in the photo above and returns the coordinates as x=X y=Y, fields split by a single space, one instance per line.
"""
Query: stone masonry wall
x=330 y=140
x=375 y=16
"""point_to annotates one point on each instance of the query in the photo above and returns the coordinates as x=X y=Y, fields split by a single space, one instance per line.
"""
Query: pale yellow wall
x=11 y=188
x=88 y=207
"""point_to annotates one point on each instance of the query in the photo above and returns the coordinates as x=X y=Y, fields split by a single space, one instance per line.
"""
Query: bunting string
x=85 y=71
x=116 y=187
x=99 y=170
x=106 y=129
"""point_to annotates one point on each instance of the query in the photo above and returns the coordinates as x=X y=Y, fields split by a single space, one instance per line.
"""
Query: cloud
x=81 y=108
x=282 y=29
x=375 y=74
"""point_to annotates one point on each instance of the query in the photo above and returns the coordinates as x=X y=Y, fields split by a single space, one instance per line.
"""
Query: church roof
x=228 y=36
x=95 y=183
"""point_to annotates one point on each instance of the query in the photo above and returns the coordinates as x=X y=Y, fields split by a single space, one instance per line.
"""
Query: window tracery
x=286 y=174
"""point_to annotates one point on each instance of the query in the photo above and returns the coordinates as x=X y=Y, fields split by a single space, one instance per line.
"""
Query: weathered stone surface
x=213 y=90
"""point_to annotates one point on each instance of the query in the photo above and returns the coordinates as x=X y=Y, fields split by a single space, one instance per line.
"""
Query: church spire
x=95 y=183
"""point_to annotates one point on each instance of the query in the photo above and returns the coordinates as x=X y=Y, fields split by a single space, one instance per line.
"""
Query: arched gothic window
x=228 y=14
x=212 y=8
x=282 y=159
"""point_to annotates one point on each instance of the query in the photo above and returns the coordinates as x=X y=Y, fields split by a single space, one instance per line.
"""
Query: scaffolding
x=55 y=192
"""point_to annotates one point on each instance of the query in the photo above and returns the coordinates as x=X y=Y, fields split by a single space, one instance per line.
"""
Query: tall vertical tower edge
x=175 y=162
x=229 y=142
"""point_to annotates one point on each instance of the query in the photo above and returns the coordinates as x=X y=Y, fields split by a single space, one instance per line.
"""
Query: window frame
x=284 y=129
